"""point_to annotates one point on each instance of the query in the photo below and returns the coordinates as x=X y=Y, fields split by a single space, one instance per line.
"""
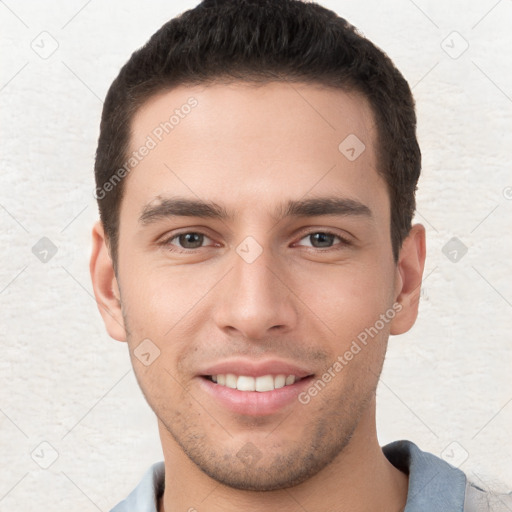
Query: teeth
x=247 y=383
x=231 y=381
x=279 y=381
x=265 y=383
x=290 y=380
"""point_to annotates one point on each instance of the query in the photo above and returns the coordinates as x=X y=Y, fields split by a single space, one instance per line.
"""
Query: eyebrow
x=184 y=207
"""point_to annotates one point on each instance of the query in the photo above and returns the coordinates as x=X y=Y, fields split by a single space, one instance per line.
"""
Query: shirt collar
x=144 y=498
x=434 y=485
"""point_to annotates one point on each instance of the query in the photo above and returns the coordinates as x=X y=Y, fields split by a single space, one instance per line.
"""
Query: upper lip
x=252 y=368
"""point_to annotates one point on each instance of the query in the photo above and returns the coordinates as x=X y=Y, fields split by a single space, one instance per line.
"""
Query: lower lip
x=254 y=403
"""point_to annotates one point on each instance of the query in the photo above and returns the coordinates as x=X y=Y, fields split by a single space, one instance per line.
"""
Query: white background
x=63 y=381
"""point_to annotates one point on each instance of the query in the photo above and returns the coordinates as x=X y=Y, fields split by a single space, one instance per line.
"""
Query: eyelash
x=167 y=242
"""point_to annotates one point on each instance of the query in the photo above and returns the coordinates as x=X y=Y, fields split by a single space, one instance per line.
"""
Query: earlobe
x=409 y=270
x=104 y=282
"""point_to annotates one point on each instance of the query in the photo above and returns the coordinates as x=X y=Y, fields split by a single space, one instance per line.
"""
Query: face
x=254 y=245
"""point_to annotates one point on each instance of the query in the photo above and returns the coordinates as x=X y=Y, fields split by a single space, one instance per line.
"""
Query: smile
x=261 y=384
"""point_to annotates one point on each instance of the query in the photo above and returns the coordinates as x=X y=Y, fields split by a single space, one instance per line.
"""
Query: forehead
x=243 y=109
x=253 y=144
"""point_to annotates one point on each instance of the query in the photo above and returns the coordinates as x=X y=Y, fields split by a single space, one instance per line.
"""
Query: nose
x=255 y=300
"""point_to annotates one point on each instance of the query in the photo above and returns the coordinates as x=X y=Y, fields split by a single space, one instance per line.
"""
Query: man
x=256 y=174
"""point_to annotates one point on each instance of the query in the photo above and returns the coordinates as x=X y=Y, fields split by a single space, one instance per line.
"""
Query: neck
x=359 y=478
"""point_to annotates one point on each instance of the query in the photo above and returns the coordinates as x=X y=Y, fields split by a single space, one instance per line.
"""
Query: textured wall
x=446 y=385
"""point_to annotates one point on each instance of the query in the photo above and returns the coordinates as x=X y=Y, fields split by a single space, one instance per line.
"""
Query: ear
x=409 y=272
x=104 y=282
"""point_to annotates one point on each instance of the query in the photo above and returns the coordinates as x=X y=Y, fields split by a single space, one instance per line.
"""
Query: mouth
x=261 y=384
x=260 y=396
x=243 y=386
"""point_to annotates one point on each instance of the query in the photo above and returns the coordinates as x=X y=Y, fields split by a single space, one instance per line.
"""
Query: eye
x=189 y=240
x=323 y=239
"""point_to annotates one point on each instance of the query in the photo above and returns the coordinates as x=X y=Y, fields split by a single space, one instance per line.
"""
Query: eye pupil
x=191 y=240
x=321 y=239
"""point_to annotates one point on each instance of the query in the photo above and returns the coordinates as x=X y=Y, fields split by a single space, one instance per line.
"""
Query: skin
x=250 y=149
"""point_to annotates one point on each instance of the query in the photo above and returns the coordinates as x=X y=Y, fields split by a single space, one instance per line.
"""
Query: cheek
x=167 y=306
x=162 y=296
x=347 y=298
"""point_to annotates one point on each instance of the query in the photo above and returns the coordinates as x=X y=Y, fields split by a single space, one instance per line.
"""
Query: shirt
x=434 y=485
